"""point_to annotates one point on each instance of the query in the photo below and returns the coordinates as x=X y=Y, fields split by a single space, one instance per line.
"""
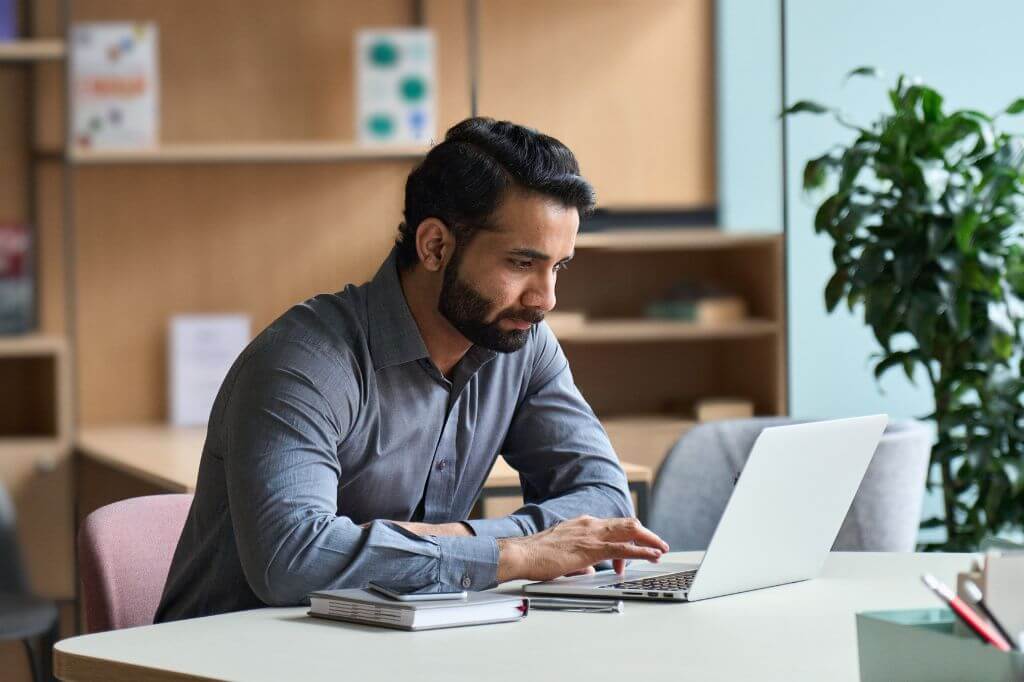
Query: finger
x=634 y=531
x=627 y=550
x=619 y=565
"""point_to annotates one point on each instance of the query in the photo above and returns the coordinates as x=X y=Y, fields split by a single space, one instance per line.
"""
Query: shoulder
x=324 y=335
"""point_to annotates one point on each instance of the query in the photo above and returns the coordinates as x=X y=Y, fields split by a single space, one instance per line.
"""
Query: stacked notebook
x=364 y=606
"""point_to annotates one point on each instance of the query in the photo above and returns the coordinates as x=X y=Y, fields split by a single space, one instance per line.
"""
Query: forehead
x=528 y=219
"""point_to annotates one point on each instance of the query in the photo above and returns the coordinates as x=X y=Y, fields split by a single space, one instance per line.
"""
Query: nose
x=541 y=293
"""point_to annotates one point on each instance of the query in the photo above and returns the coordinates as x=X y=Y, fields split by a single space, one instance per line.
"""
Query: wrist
x=509 y=559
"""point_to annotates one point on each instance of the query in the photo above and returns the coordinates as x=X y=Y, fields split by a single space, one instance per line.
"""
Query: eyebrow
x=537 y=255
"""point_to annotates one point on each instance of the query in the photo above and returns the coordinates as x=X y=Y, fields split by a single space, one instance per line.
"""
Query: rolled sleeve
x=504 y=527
x=469 y=563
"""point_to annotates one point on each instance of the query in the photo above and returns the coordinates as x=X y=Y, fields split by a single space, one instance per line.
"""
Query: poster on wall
x=201 y=350
x=115 y=91
x=16 y=283
x=396 y=96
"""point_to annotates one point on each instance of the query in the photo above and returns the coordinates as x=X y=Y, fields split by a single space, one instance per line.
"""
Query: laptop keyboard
x=672 y=582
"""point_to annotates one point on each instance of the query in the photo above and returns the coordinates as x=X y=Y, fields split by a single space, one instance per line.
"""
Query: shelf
x=671 y=239
x=31 y=345
x=36 y=50
x=28 y=446
x=256 y=152
x=614 y=331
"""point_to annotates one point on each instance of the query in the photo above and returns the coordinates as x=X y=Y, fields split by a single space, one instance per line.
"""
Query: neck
x=444 y=343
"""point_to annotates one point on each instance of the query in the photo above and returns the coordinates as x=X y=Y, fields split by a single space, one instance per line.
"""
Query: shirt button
x=442 y=464
x=466 y=582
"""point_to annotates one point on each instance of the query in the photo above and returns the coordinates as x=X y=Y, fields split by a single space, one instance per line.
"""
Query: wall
x=969 y=54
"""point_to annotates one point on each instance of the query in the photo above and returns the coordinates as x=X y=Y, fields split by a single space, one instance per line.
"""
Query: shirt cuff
x=468 y=563
x=505 y=527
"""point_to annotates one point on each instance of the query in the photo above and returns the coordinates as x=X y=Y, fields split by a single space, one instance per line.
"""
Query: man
x=350 y=440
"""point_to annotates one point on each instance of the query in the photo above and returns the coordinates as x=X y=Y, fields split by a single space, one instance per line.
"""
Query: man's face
x=502 y=282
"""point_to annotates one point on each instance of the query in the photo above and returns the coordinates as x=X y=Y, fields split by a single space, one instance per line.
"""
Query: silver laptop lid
x=788 y=505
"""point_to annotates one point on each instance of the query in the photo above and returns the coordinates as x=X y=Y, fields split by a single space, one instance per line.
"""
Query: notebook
x=364 y=606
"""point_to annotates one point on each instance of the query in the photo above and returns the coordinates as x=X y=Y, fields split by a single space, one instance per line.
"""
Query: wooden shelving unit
x=254 y=152
x=36 y=50
x=643 y=376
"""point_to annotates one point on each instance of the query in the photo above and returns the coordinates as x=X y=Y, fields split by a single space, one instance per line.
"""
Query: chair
x=23 y=616
x=696 y=478
x=124 y=555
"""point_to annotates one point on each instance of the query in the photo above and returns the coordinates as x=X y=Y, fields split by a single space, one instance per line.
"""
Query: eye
x=561 y=266
x=521 y=264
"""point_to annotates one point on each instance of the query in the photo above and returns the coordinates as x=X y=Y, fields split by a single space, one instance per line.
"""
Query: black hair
x=463 y=180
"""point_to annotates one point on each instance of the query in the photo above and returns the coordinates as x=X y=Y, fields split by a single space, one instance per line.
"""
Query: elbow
x=280 y=587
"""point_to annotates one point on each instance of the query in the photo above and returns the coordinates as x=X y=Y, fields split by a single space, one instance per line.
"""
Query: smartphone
x=428 y=593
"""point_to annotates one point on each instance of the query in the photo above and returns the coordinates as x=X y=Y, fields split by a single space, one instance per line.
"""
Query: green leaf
x=805 y=106
x=887 y=364
x=868 y=71
x=1016 y=106
x=827 y=212
x=964 y=228
x=815 y=172
x=1002 y=344
x=834 y=289
x=931 y=105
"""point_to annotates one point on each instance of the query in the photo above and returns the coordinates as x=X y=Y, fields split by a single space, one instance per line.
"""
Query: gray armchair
x=23 y=616
x=696 y=479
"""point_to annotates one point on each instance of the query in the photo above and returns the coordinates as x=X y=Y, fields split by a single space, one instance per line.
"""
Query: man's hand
x=574 y=545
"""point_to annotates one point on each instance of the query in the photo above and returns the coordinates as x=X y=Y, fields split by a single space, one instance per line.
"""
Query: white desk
x=804 y=631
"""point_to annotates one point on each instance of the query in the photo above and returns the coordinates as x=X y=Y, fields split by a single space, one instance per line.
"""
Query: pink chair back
x=124 y=555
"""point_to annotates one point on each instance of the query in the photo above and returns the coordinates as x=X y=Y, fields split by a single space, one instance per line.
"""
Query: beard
x=467 y=310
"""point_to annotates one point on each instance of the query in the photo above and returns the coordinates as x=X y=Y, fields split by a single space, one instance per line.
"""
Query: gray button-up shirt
x=334 y=416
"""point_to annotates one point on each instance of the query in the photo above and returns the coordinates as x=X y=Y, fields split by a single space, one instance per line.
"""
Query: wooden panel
x=648 y=330
x=627 y=85
x=50 y=215
x=185 y=239
x=448 y=18
x=241 y=70
x=31 y=50
x=249 y=152
x=13 y=149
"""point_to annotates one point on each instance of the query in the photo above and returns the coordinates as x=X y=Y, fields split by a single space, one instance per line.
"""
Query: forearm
x=334 y=553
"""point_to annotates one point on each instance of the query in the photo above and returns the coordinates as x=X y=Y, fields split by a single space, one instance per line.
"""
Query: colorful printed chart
x=396 y=96
x=116 y=85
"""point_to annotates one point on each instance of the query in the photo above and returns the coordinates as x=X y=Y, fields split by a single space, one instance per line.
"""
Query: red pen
x=966 y=614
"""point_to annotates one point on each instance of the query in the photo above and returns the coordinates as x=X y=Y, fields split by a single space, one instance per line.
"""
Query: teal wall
x=748 y=95
x=969 y=51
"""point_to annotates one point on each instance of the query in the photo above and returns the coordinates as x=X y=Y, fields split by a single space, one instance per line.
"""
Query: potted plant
x=925 y=212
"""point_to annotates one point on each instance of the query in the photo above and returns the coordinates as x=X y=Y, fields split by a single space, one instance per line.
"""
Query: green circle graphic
x=380 y=125
x=383 y=53
x=413 y=88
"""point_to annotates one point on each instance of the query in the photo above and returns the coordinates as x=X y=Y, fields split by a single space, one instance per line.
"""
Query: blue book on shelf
x=8 y=19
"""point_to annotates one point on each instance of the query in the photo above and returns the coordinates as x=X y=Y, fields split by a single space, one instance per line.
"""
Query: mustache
x=528 y=316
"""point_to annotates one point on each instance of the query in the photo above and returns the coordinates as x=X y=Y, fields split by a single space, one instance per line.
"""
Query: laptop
x=778 y=526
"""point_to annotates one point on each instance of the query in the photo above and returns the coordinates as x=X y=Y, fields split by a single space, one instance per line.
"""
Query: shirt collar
x=394 y=338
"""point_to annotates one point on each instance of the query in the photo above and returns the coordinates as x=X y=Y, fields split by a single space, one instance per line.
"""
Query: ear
x=435 y=244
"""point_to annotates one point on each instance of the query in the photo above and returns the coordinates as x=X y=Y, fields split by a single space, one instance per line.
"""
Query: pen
x=585 y=605
x=976 y=598
x=966 y=613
